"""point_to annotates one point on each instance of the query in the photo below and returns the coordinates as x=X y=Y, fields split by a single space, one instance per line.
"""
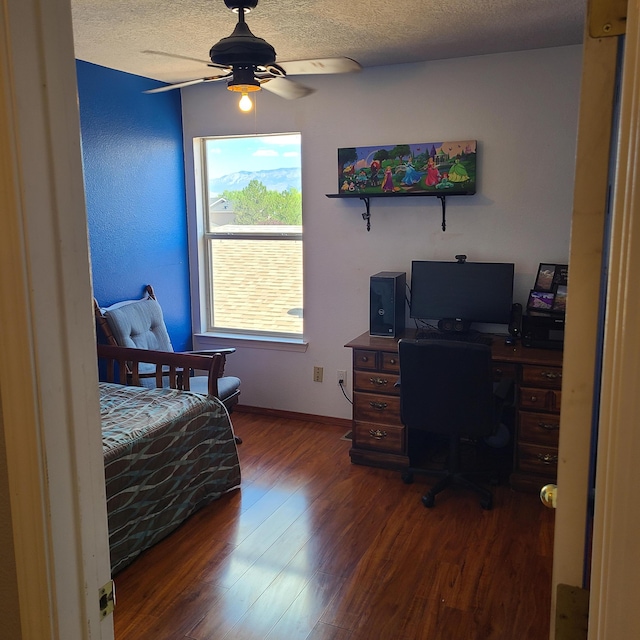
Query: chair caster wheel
x=428 y=500
x=486 y=503
x=407 y=477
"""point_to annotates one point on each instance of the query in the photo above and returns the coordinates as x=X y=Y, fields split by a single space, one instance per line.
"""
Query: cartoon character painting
x=361 y=180
x=458 y=173
x=433 y=175
x=387 y=182
x=445 y=183
x=409 y=169
x=374 y=179
x=411 y=176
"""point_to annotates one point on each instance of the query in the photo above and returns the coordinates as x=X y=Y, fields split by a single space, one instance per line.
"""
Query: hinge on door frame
x=107 y=596
x=572 y=613
x=607 y=18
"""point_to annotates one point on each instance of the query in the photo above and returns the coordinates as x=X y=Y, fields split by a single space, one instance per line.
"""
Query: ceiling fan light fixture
x=245 y=88
x=245 y=104
x=237 y=5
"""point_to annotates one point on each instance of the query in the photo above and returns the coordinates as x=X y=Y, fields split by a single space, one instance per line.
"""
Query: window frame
x=205 y=263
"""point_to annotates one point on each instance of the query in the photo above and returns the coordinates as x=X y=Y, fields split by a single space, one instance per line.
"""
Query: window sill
x=212 y=340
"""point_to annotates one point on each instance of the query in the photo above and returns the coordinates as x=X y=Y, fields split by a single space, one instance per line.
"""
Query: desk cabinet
x=536 y=456
x=379 y=438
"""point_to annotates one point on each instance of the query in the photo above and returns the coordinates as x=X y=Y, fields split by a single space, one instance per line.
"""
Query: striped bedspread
x=167 y=453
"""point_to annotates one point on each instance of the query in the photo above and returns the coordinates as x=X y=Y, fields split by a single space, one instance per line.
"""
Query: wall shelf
x=365 y=197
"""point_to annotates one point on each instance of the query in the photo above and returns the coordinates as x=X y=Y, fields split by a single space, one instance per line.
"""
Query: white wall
x=521 y=107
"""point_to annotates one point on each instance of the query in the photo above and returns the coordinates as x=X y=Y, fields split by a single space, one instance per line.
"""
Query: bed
x=167 y=453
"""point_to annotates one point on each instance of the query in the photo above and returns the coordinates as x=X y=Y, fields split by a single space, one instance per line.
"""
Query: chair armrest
x=174 y=367
x=210 y=352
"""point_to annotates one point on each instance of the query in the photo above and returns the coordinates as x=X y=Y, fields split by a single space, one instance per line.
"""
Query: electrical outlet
x=317 y=374
x=342 y=376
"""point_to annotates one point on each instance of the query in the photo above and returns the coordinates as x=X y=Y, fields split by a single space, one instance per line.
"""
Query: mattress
x=167 y=453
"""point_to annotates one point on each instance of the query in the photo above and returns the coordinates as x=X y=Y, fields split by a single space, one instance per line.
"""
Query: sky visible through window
x=252 y=153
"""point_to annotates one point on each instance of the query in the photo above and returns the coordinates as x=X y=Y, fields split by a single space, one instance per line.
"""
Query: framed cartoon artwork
x=438 y=168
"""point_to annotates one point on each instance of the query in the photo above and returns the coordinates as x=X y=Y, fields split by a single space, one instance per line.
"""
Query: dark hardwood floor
x=313 y=547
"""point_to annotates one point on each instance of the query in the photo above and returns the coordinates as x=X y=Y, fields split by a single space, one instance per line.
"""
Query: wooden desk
x=379 y=437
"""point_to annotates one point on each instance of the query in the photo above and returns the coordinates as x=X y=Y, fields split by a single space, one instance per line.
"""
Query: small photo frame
x=561 y=276
x=541 y=301
x=560 y=300
x=545 y=277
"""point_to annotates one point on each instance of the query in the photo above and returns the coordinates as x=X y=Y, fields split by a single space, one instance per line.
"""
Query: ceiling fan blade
x=286 y=88
x=180 y=57
x=186 y=83
x=320 y=65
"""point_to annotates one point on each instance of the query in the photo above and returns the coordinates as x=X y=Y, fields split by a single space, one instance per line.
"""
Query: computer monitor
x=467 y=291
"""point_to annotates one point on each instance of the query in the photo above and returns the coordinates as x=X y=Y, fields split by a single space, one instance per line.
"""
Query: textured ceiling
x=120 y=33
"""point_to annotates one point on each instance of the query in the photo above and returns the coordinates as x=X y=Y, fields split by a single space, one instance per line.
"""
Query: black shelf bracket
x=443 y=200
x=367 y=214
x=366 y=198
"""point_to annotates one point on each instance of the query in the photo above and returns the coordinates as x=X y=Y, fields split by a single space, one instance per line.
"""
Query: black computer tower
x=386 y=303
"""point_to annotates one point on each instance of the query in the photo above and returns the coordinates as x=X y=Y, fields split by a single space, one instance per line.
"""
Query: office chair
x=139 y=324
x=447 y=389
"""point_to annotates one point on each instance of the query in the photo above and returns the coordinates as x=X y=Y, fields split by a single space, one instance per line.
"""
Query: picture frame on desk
x=560 y=300
x=551 y=276
x=540 y=301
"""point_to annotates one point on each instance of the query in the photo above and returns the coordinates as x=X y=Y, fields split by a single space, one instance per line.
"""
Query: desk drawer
x=368 y=435
x=378 y=408
x=365 y=359
x=538 y=459
x=540 y=399
x=390 y=362
x=539 y=428
x=376 y=382
x=549 y=377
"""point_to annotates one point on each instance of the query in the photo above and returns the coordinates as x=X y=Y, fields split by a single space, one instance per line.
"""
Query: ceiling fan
x=248 y=63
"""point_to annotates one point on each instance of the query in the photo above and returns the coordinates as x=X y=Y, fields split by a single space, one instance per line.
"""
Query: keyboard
x=474 y=337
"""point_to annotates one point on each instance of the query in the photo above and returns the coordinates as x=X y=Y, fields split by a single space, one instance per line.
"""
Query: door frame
x=614 y=560
x=49 y=409
x=615 y=582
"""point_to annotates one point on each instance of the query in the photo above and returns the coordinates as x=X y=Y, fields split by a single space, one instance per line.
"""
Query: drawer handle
x=548 y=426
x=377 y=434
x=380 y=406
x=379 y=381
x=533 y=398
x=365 y=358
x=551 y=375
x=392 y=360
x=547 y=458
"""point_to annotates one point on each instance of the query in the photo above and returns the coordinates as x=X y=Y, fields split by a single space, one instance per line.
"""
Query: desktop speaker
x=454 y=324
x=515 y=321
x=386 y=303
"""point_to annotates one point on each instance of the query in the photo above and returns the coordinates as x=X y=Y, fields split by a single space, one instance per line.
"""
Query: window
x=252 y=222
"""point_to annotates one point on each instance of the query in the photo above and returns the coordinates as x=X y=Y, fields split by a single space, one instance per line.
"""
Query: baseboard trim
x=343 y=423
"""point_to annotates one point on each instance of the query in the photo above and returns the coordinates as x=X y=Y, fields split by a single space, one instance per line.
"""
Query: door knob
x=549 y=495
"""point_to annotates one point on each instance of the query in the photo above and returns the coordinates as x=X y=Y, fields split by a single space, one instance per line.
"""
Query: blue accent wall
x=135 y=192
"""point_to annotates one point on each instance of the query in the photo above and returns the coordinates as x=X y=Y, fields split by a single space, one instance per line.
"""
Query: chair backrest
x=446 y=387
x=135 y=324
